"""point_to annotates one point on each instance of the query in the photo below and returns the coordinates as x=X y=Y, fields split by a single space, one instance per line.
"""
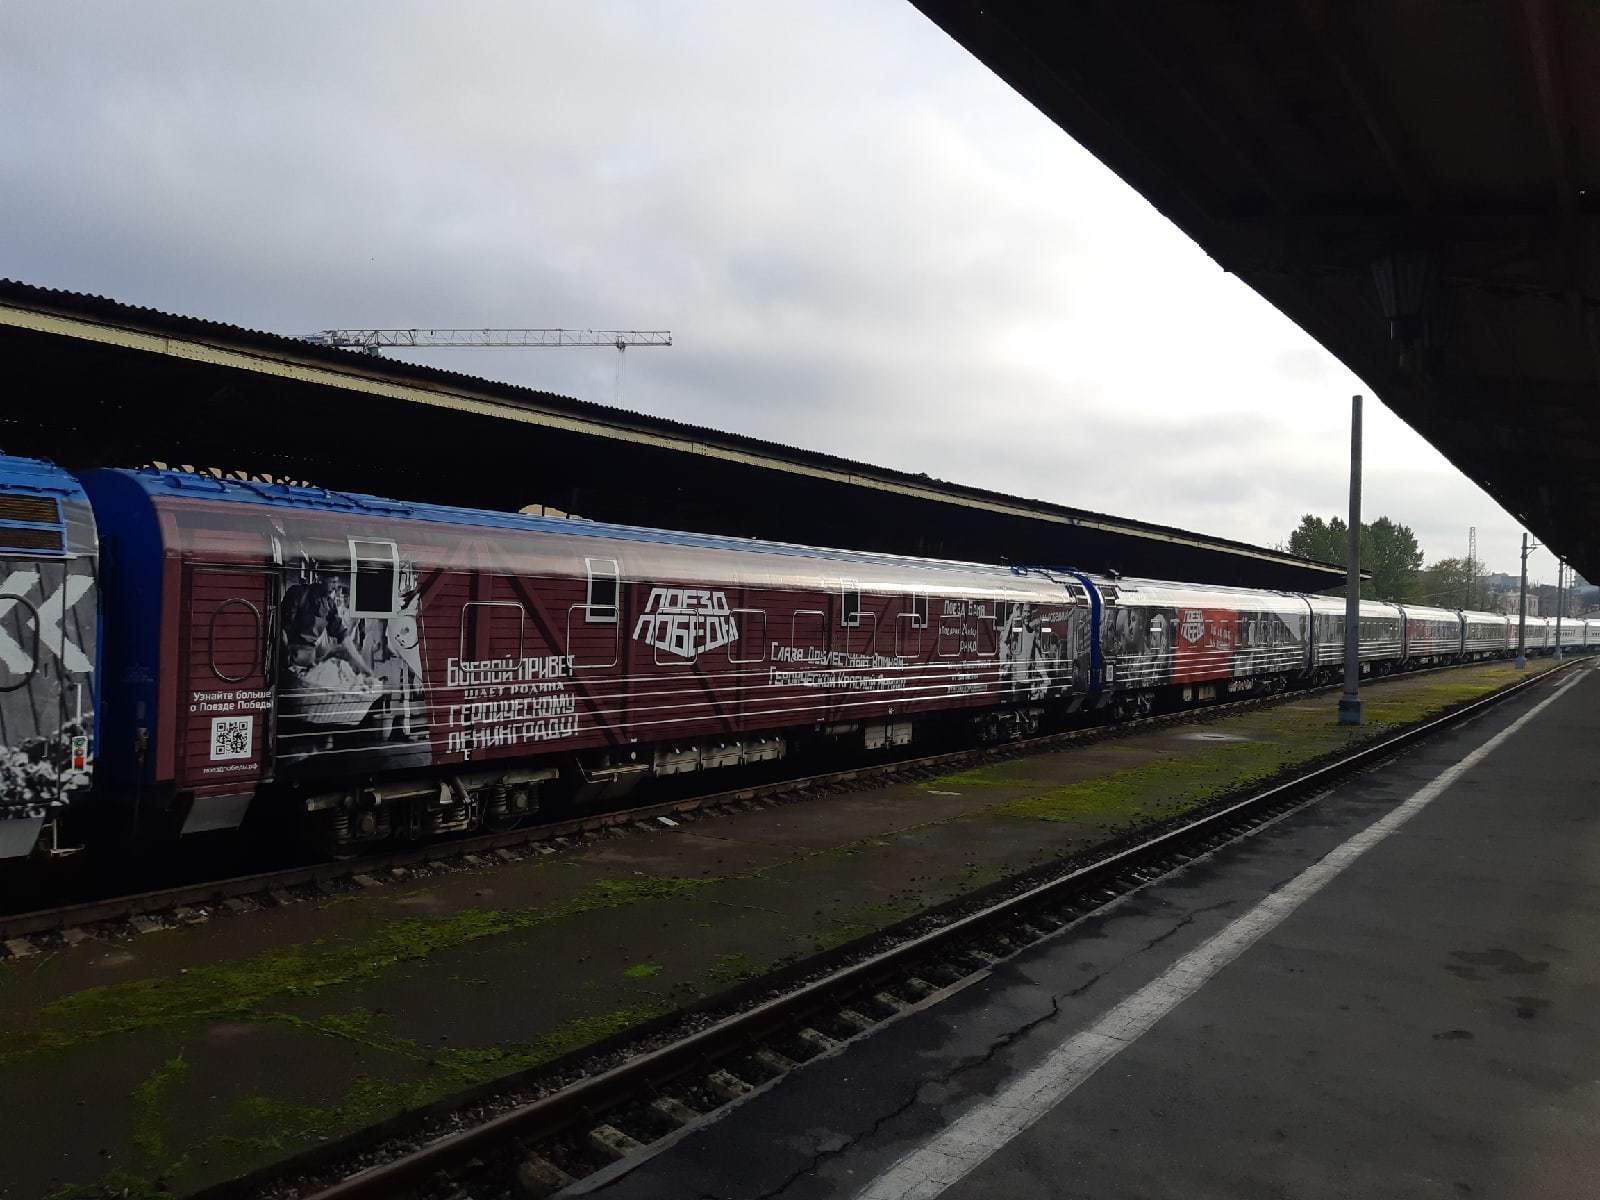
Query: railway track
x=23 y=934
x=598 y=1111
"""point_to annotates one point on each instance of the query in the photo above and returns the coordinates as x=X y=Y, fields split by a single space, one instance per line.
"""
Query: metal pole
x=1561 y=571
x=1522 y=609
x=1350 y=702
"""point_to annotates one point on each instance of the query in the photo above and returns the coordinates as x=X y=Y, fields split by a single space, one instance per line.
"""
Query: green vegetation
x=642 y=970
x=1389 y=553
x=859 y=921
x=1154 y=791
x=259 y=1127
x=241 y=989
x=1270 y=740
x=147 y=1101
x=728 y=970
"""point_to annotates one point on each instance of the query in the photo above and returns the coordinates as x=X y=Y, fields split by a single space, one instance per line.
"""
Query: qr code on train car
x=230 y=737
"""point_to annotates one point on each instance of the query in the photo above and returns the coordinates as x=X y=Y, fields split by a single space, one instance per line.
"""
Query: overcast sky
x=862 y=241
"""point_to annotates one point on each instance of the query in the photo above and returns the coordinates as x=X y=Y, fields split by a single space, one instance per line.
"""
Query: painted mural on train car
x=48 y=636
x=1152 y=645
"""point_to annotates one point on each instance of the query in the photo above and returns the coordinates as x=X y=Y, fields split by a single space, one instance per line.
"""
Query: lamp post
x=1561 y=571
x=1350 y=702
x=1522 y=606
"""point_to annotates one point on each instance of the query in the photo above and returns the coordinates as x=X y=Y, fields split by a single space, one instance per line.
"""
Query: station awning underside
x=1416 y=184
x=93 y=382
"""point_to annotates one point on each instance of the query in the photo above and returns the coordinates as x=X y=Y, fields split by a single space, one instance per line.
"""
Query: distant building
x=1506 y=602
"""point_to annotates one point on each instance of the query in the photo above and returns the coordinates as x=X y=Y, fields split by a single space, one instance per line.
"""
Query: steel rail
x=128 y=905
x=858 y=967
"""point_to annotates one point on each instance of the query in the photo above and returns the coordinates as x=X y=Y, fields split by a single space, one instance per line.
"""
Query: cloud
x=863 y=241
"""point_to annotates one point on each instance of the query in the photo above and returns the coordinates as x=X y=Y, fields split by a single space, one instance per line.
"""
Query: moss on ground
x=260 y=1127
x=148 y=1101
x=240 y=989
x=862 y=920
x=1269 y=741
x=727 y=971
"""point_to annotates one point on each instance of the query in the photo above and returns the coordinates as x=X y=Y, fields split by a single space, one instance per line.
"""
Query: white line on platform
x=969 y=1140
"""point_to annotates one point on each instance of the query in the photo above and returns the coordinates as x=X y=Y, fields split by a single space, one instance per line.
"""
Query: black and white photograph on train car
x=350 y=678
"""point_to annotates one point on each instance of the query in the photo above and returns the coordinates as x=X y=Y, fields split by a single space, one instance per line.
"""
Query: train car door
x=227 y=704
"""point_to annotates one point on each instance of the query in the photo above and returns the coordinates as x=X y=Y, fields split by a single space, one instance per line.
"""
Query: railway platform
x=220 y=1041
x=1390 y=992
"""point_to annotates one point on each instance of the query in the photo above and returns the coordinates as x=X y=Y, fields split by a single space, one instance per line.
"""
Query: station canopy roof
x=1416 y=184
x=96 y=383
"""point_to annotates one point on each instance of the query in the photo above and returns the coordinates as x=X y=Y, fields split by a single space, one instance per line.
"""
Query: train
x=181 y=653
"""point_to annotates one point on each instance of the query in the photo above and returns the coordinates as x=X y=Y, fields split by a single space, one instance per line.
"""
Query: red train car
x=414 y=668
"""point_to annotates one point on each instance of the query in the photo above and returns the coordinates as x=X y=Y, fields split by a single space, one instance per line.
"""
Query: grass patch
x=243 y=989
x=148 y=1102
x=860 y=921
x=729 y=970
x=1155 y=790
x=262 y=1127
x=642 y=970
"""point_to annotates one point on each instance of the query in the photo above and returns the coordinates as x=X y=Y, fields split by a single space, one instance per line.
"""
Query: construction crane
x=373 y=340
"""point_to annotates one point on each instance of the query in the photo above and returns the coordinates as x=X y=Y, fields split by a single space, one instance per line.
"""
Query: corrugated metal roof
x=364 y=369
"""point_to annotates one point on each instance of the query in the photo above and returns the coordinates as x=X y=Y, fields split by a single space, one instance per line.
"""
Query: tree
x=1319 y=539
x=1446 y=582
x=1389 y=553
x=1389 y=550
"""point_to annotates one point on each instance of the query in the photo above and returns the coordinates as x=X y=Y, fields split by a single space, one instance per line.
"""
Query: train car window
x=1158 y=633
x=988 y=636
x=20 y=622
x=919 y=612
x=600 y=607
x=684 y=654
x=499 y=626
x=591 y=648
x=245 y=667
x=806 y=628
x=751 y=644
x=908 y=632
x=374 y=579
x=850 y=604
x=950 y=632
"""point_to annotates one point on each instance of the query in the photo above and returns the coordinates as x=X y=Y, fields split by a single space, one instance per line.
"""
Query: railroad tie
x=778 y=1064
x=675 y=1111
x=817 y=1040
x=612 y=1142
x=539 y=1177
x=860 y=1020
x=727 y=1085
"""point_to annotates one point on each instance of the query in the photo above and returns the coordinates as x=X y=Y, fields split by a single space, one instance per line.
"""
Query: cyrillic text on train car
x=686 y=622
